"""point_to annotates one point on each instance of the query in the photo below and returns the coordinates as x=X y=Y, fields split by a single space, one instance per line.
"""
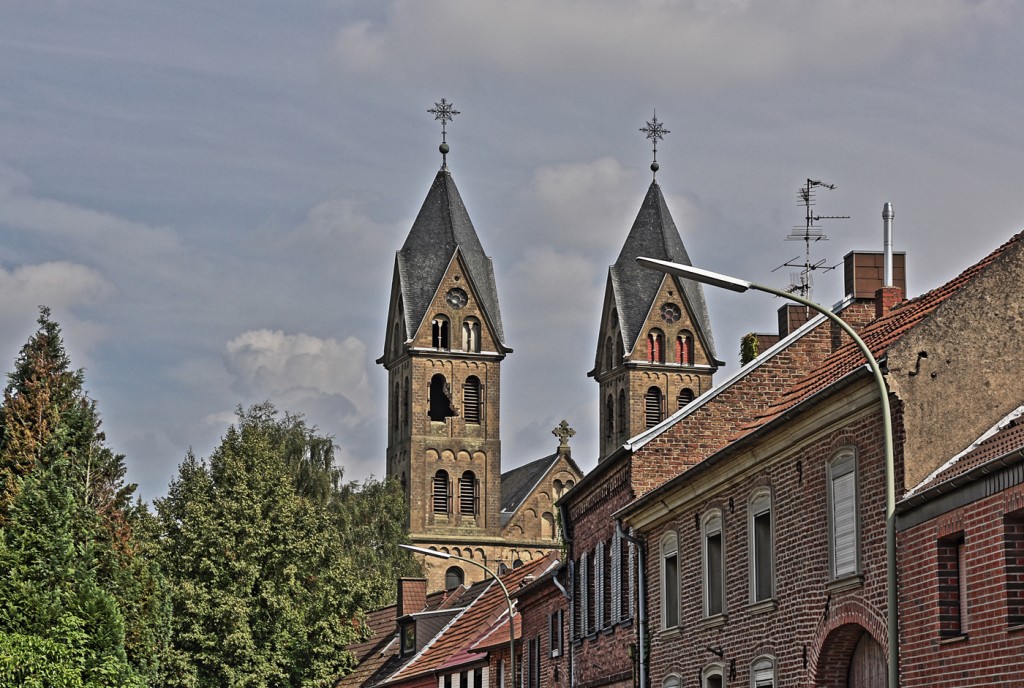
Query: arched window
x=684 y=348
x=440 y=332
x=655 y=347
x=471 y=400
x=714 y=563
x=440 y=402
x=762 y=673
x=609 y=418
x=471 y=335
x=713 y=676
x=652 y=406
x=405 y=401
x=842 y=511
x=395 y=344
x=685 y=397
x=453 y=578
x=394 y=408
x=469 y=500
x=669 y=580
x=547 y=526
x=517 y=563
x=442 y=493
x=622 y=413
x=671 y=681
x=619 y=352
x=762 y=554
x=608 y=354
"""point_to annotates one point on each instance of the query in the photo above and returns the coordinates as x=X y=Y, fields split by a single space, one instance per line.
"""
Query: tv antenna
x=802 y=281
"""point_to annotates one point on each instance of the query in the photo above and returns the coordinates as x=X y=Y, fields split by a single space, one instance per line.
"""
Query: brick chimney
x=792 y=316
x=864 y=273
x=412 y=596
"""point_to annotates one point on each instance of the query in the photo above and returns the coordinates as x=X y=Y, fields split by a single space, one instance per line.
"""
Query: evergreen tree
x=265 y=589
x=82 y=605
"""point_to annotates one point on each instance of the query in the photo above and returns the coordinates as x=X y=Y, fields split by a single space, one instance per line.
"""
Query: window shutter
x=616 y=574
x=844 y=524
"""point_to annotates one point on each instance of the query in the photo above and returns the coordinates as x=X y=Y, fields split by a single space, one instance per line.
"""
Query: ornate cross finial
x=446 y=113
x=655 y=132
x=563 y=432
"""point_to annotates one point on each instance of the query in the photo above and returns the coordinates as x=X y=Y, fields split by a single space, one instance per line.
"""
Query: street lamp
x=508 y=599
x=739 y=285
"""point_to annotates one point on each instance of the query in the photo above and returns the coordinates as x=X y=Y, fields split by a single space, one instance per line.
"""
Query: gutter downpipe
x=563 y=513
x=641 y=589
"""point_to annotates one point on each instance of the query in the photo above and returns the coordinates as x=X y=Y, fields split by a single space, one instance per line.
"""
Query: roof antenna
x=655 y=132
x=446 y=113
x=801 y=282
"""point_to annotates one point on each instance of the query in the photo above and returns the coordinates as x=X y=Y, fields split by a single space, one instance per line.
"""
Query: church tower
x=443 y=350
x=655 y=351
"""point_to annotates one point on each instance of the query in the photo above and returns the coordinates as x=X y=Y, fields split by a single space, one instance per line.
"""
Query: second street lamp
x=739 y=285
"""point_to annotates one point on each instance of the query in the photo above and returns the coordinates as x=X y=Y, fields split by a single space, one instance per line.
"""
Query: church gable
x=671 y=334
x=529 y=514
x=456 y=319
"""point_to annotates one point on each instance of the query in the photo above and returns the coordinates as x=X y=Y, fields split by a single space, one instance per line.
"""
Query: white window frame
x=669 y=547
x=713 y=523
x=672 y=681
x=759 y=504
x=762 y=673
x=555 y=633
x=843 y=467
x=712 y=670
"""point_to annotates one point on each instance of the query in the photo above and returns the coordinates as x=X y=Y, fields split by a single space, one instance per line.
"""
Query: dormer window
x=471 y=335
x=684 y=348
x=408 y=638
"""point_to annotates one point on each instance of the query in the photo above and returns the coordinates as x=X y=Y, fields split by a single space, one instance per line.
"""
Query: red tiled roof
x=879 y=335
x=467 y=628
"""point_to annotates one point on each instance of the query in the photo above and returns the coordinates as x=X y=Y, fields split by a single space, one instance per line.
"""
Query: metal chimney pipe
x=887 y=216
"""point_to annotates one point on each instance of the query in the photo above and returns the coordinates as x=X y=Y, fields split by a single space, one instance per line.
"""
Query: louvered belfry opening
x=468 y=493
x=471 y=400
x=441 y=483
x=652 y=406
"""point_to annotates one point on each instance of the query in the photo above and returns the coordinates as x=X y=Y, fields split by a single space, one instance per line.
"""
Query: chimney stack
x=887 y=216
x=412 y=596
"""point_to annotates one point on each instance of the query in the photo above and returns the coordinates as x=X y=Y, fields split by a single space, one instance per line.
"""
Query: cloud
x=324 y=378
x=683 y=44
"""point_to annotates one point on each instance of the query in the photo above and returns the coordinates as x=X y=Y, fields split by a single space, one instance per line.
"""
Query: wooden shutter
x=844 y=524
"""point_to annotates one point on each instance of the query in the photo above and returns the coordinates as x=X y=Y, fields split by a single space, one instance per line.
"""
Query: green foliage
x=82 y=605
x=271 y=558
x=748 y=348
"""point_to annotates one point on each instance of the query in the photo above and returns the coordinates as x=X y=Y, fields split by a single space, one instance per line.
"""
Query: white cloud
x=324 y=378
x=683 y=44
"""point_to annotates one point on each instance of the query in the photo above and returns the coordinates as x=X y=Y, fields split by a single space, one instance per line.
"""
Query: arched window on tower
x=394 y=408
x=652 y=406
x=609 y=418
x=685 y=397
x=453 y=578
x=440 y=332
x=619 y=351
x=623 y=430
x=469 y=497
x=442 y=493
x=471 y=335
x=655 y=346
x=471 y=400
x=405 y=401
x=609 y=354
x=440 y=403
x=684 y=348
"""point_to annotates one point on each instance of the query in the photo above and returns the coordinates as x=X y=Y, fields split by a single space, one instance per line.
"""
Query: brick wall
x=988 y=650
x=813 y=622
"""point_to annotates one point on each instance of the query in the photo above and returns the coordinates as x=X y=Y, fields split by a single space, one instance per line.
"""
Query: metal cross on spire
x=445 y=112
x=655 y=132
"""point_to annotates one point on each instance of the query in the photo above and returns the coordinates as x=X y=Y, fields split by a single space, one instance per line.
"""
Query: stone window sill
x=848 y=582
x=716 y=621
x=1015 y=628
x=953 y=639
x=762 y=606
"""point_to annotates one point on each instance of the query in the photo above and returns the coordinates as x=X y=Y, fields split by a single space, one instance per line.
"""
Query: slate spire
x=654 y=235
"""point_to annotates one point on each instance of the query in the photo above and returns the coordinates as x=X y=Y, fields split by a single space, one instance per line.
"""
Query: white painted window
x=713 y=676
x=762 y=546
x=669 y=580
x=842 y=503
x=713 y=559
x=762 y=673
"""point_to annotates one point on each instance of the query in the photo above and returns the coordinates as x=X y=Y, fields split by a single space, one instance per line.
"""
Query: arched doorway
x=851 y=658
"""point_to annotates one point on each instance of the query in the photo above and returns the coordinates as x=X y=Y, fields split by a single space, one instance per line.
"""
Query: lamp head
x=696 y=274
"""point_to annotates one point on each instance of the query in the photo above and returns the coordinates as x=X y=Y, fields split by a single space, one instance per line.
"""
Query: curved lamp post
x=739 y=285
x=508 y=599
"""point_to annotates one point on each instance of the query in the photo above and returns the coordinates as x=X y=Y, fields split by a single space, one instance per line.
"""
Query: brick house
x=961 y=543
x=765 y=557
x=444 y=639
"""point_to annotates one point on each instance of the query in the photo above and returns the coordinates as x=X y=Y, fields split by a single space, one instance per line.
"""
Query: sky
x=209 y=195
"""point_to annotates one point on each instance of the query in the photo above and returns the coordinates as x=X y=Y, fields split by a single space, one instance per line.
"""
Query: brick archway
x=845 y=645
